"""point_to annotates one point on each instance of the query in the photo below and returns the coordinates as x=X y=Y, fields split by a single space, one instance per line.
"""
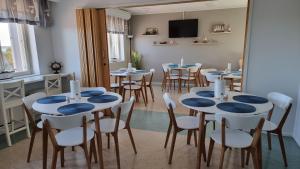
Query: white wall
x=229 y=47
x=274 y=54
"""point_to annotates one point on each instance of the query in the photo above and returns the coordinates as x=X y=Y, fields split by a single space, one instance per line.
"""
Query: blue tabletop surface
x=90 y=93
x=206 y=93
x=234 y=107
x=75 y=108
x=198 y=102
x=250 y=99
x=102 y=99
x=51 y=99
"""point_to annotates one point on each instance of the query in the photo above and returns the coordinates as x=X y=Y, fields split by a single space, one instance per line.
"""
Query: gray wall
x=228 y=49
x=274 y=54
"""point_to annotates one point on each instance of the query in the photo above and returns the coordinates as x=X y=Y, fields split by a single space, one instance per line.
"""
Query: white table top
x=260 y=108
x=52 y=108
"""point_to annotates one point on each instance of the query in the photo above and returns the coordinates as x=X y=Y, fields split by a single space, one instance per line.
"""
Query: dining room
x=149 y=84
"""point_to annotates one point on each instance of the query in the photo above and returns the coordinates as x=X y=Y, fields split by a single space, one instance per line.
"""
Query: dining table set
x=202 y=100
x=93 y=99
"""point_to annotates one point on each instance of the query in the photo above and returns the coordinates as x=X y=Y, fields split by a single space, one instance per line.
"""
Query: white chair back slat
x=136 y=77
x=211 y=77
x=29 y=100
x=125 y=107
x=199 y=65
x=246 y=122
x=168 y=100
x=65 y=122
x=280 y=100
x=12 y=90
x=53 y=83
x=193 y=69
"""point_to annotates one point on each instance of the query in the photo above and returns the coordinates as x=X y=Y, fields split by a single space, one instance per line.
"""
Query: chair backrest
x=126 y=108
x=166 y=67
x=12 y=91
x=246 y=123
x=53 y=84
x=171 y=105
x=28 y=102
x=235 y=122
x=199 y=65
x=194 y=69
x=283 y=102
x=64 y=122
x=197 y=89
x=136 y=76
x=152 y=71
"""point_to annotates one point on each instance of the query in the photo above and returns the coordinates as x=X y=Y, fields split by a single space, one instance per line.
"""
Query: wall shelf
x=168 y=44
x=149 y=35
x=218 y=33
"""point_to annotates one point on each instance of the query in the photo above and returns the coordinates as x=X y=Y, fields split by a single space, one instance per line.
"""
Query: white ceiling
x=186 y=7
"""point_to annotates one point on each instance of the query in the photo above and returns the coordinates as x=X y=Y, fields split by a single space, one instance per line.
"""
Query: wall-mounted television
x=183 y=28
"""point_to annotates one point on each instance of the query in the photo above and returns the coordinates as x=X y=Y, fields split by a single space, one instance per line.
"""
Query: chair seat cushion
x=127 y=82
x=187 y=78
x=108 y=125
x=188 y=122
x=133 y=87
x=173 y=77
x=233 y=138
x=208 y=117
x=114 y=85
x=269 y=126
x=73 y=136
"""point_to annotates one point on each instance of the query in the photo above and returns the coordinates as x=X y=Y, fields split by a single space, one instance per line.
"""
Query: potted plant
x=136 y=60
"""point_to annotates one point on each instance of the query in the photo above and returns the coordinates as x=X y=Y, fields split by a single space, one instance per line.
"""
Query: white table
x=52 y=109
x=260 y=109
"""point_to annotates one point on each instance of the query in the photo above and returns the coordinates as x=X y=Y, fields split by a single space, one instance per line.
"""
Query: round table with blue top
x=239 y=104
x=91 y=100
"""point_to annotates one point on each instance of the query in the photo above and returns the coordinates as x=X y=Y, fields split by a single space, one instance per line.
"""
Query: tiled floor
x=150 y=124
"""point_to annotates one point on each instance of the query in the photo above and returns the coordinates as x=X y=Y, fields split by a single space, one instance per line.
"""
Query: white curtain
x=33 y=12
x=116 y=31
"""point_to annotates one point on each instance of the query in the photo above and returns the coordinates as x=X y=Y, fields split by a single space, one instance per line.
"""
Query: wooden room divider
x=92 y=37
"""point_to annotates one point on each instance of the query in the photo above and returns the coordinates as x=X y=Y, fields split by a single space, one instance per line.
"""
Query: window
x=115 y=36
x=115 y=47
x=13 y=53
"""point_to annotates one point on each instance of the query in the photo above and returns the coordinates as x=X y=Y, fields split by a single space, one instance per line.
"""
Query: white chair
x=284 y=104
x=233 y=135
x=137 y=88
x=192 y=76
x=203 y=72
x=149 y=83
x=208 y=116
x=190 y=123
x=113 y=125
x=74 y=132
x=35 y=127
x=210 y=78
x=169 y=77
x=11 y=95
x=52 y=84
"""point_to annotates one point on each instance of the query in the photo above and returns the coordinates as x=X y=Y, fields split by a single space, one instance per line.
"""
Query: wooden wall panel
x=82 y=47
x=92 y=36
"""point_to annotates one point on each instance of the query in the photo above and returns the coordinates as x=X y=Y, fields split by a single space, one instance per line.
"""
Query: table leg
x=45 y=147
x=120 y=85
x=145 y=87
x=200 y=139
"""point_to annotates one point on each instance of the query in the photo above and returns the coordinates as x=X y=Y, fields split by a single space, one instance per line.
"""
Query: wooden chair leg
x=31 y=145
x=214 y=125
x=168 y=134
x=195 y=137
x=189 y=136
x=123 y=94
x=247 y=157
x=54 y=158
x=255 y=159
x=152 y=93
x=172 y=146
x=62 y=157
x=269 y=141
x=222 y=157
x=73 y=148
x=117 y=149
x=108 y=141
x=242 y=158
x=100 y=153
x=203 y=145
x=131 y=139
x=210 y=150
x=144 y=97
x=282 y=148
x=85 y=149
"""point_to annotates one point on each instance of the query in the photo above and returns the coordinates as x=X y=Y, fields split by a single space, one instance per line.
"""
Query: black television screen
x=183 y=28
